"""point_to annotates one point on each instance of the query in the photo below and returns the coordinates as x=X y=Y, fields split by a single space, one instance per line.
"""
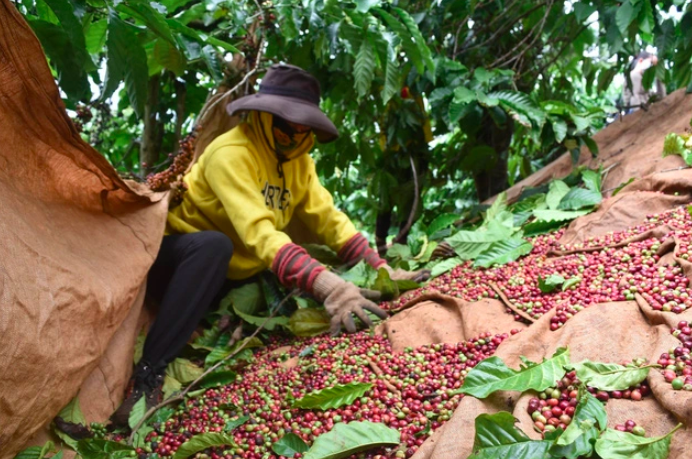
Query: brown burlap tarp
x=75 y=246
x=76 y=243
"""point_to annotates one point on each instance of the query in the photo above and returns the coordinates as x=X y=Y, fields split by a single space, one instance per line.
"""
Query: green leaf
x=201 y=442
x=161 y=415
x=247 y=299
x=309 y=322
x=673 y=145
x=385 y=285
x=412 y=50
x=361 y=275
x=137 y=413
x=583 y=10
x=36 y=452
x=200 y=37
x=592 y=180
x=558 y=189
x=624 y=16
x=364 y=68
x=183 y=370
x=502 y=252
x=589 y=408
x=333 y=397
x=439 y=94
x=470 y=244
x=588 y=421
x=578 y=198
x=289 y=445
x=269 y=325
x=152 y=19
x=139 y=345
x=541 y=227
x=92 y=448
x=558 y=215
x=392 y=82
x=442 y=221
x=169 y=57
x=463 y=95
x=139 y=439
x=56 y=43
x=610 y=376
x=622 y=185
x=69 y=21
x=400 y=251
x=347 y=439
x=560 y=130
x=495 y=430
x=363 y=6
x=233 y=424
x=572 y=281
x=550 y=283
x=499 y=205
x=614 y=444
x=95 y=36
x=491 y=375
x=591 y=144
x=45 y=13
x=521 y=107
x=496 y=437
x=323 y=254
x=170 y=386
x=222 y=350
x=418 y=39
x=126 y=60
x=72 y=412
x=218 y=378
x=437 y=268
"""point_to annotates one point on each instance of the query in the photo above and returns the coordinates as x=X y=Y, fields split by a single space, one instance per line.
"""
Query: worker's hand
x=415 y=276
x=343 y=299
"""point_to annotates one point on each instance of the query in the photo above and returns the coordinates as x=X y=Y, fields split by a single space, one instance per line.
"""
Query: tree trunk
x=151 y=143
x=180 y=93
x=382 y=224
x=489 y=183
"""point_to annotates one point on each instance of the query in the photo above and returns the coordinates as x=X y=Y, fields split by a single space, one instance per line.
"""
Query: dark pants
x=188 y=274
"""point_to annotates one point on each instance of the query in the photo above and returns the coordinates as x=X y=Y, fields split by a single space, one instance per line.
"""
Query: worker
x=244 y=190
x=636 y=96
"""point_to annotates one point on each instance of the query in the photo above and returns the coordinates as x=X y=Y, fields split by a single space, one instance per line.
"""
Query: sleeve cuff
x=295 y=268
x=356 y=249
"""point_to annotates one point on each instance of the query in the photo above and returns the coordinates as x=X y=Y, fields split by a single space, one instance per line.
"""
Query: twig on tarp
x=380 y=375
x=509 y=304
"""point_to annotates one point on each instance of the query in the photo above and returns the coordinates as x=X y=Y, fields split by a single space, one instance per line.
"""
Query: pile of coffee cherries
x=599 y=272
x=554 y=407
x=412 y=392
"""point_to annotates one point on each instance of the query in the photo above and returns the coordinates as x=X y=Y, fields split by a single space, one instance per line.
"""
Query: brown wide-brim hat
x=293 y=94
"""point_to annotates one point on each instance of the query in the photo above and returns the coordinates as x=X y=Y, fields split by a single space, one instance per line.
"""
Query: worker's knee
x=213 y=245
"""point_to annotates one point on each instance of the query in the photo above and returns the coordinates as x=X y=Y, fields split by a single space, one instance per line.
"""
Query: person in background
x=636 y=96
x=244 y=190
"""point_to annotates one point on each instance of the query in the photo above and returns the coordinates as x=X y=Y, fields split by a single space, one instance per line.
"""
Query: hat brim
x=291 y=109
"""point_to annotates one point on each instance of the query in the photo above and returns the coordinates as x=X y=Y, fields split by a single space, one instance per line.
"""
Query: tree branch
x=228 y=93
x=503 y=28
x=562 y=50
x=416 y=199
x=500 y=61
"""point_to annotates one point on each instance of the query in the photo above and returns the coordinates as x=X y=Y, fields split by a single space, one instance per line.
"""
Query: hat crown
x=291 y=81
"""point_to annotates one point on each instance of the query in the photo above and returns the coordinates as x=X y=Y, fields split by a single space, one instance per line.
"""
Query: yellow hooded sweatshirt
x=236 y=188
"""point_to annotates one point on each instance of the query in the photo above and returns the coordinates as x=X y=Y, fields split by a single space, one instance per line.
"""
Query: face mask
x=285 y=137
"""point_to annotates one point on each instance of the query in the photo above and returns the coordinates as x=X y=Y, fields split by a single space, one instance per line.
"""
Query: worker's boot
x=145 y=382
